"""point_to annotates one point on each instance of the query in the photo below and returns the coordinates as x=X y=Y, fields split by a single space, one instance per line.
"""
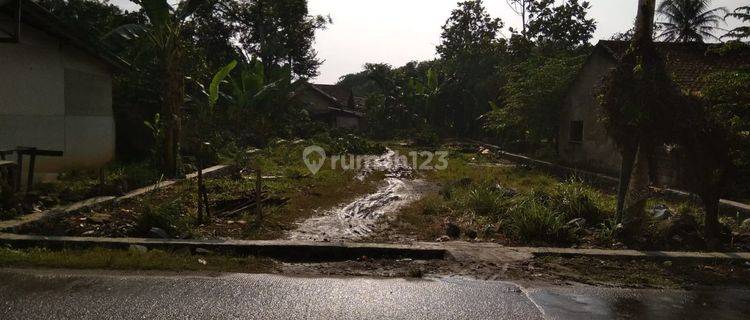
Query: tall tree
x=690 y=20
x=162 y=35
x=742 y=32
x=639 y=102
x=520 y=7
x=280 y=33
x=565 y=26
x=471 y=52
x=526 y=116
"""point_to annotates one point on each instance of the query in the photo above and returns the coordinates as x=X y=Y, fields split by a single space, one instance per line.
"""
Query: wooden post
x=200 y=193
x=19 y=170
x=258 y=193
x=203 y=205
x=101 y=181
x=32 y=164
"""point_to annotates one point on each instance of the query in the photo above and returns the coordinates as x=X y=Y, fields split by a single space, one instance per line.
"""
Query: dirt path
x=363 y=216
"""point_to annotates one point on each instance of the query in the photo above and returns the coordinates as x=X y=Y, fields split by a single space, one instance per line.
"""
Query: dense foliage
x=728 y=101
x=742 y=32
x=563 y=27
x=507 y=90
x=173 y=53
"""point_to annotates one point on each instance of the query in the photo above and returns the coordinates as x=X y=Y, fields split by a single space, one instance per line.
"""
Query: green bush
x=449 y=189
x=532 y=221
x=343 y=143
x=434 y=205
x=132 y=175
x=165 y=216
x=426 y=137
x=485 y=200
x=574 y=199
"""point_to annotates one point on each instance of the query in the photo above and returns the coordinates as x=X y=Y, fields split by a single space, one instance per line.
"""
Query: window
x=576 y=131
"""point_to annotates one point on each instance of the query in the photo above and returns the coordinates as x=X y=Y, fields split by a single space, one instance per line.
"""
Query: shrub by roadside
x=513 y=205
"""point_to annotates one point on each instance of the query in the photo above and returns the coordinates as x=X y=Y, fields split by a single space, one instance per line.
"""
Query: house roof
x=688 y=62
x=341 y=94
x=338 y=96
x=36 y=16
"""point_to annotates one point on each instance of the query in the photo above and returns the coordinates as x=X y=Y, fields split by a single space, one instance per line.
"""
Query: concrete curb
x=62 y=210
x=471 y=251
x=634 y=254
x=281 y=249
x=303 y=251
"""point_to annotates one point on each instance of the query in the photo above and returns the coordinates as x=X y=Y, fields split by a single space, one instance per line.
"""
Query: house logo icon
x=314 y=157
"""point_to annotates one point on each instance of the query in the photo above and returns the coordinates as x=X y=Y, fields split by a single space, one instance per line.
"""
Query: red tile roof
x=689 y=62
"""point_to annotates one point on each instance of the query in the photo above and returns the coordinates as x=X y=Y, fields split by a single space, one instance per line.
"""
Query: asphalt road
x=29 y=294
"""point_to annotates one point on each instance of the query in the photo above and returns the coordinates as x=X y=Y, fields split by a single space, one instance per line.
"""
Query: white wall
x=55 y=96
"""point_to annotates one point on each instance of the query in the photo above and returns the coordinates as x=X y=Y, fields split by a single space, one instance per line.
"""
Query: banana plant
x=251 y=103
x=161 y=36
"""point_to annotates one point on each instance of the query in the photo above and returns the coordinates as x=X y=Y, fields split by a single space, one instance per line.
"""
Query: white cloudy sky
x=399 y=31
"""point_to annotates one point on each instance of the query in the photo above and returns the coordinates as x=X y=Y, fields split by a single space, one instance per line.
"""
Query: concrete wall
x=597 y=151
x=55 y=96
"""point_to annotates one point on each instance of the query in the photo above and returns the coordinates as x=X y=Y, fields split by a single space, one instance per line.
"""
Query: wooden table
x=8 y=172
x=32 y=153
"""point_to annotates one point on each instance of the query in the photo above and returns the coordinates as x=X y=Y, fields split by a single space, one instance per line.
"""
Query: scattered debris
x=576 y=223
x=138 y=248
x=201 y=251
x=443 y=239
x=158 y=233
x=661 y=212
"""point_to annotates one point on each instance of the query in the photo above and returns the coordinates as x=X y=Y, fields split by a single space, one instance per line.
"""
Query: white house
x=55 y=90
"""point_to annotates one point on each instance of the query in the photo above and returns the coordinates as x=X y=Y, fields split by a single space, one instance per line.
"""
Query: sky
x=399 y=31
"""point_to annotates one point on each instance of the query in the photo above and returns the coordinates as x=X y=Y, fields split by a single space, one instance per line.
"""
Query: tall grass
x=533 y=215
x=531 y=220
x=576 y=200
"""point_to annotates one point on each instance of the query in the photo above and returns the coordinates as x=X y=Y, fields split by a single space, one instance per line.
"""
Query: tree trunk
x=638 y=193
x=644 y=20
x=172 y=115
x=626 y=169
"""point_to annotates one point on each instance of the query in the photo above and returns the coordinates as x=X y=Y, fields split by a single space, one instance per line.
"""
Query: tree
x=707 y=146
x=743 y=32
x=281 y=32
x=639 y=103
x=690 y=20
x=727 y=94
x=563 y=27
x=471 y=53
x=162 y=35
x=527 y=115
x=89 y=18
x=520 y=7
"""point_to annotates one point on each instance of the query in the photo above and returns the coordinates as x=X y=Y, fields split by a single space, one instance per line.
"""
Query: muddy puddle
x=363 y=216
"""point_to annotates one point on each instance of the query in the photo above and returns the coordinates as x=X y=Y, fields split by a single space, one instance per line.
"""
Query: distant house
x=55 y=90
x=332 y=104
x=582 y=138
